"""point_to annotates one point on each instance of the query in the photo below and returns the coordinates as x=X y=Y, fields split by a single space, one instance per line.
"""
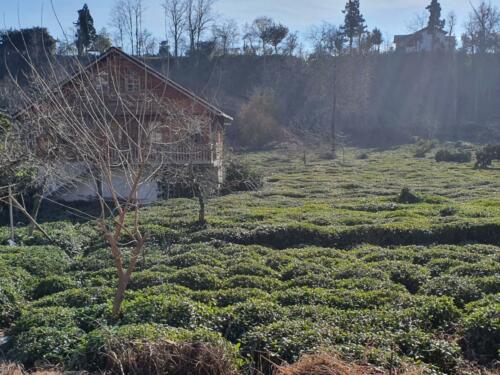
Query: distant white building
x=425 y=40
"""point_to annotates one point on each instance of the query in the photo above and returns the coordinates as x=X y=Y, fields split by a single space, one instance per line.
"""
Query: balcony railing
x=171 y=154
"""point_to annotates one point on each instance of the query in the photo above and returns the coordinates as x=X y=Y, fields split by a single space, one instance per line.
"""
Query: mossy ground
x=324 y=256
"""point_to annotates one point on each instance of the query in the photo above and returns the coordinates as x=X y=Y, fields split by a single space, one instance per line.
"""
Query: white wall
x=85 y=191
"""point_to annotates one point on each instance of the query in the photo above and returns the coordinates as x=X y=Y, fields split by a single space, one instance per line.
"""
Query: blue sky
x=391 y=16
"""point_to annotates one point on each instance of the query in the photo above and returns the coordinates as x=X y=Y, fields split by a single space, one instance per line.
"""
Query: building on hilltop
x=425 y=40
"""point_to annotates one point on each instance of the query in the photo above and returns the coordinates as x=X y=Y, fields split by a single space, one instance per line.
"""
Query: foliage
x=257 y=125
x=53 y=284
x=453 y=155
x=321 y=257
x=482 y=330
x=406 y=196
x=47 y=344
x=108 y=340
x=486 y=155
x=240 y=177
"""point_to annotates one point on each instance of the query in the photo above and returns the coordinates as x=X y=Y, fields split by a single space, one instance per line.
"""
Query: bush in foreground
x=453 y=156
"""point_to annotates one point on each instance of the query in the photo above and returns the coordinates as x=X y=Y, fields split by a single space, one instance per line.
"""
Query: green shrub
x=406 y=196
x=486 y=155
x=453 y=155
x=286 y=340
x=244 y=281
x=251 y=313
x=148 y=278
x=80 y=297
x=423 y=146
x=488 y=284
x=462 y=289
x=53 y=346
x=240 y=177
x=410 y=275
x=192 y=258
x=227 y=297
x=53 y=284
x=161 y=235
x=431 y=313
x=109 y=340
x=174 y=311
x=72 y=238
x=419 y=345
x=197 y=278
x=15 y=285
x=54 y=317
x=41 y=260
x=251 y=268
x=481 y=337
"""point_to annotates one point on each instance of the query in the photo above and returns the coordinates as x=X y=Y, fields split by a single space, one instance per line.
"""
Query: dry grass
x=330 y=364
x=167 y=357
x=9 y=368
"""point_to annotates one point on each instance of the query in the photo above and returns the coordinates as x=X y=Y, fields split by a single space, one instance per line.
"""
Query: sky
x=391 y=16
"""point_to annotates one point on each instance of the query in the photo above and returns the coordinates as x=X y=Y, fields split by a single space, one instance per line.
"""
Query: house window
x=132 y=82
x=102 y=81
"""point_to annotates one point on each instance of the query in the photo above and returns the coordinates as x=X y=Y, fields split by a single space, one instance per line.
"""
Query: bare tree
x=199 y=16
x=80 y=133
x=260 y=28
x=226 y=35
x=327 y=39
x=175 y=14
x=291 y=44
x=451 y=23
x=418 y=22
x=249 y=39
x=127 y=23
x=482 y=28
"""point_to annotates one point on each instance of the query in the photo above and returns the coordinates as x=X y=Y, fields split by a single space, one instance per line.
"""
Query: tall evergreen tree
x=354 y=24
x=85 y=31
x=435 y=21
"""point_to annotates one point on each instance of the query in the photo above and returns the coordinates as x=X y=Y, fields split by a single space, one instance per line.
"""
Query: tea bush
x=462 y=289
x=173 y=311
x=322 y=257
x=53 y=284
x=486 y=155
x=196 y=277
x=106 y=340
x=240 y=177
x=47 y=345
x=481 y=339
x=39 y=260
x=453 y=155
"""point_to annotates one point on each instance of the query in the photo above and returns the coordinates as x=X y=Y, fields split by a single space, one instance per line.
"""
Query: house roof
x=408 y=37
x=113 y=50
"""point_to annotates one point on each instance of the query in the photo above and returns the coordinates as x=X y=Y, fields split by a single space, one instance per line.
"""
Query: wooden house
x=135 y=96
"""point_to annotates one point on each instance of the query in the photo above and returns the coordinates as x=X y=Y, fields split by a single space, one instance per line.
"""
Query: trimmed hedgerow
x=174 y=311
x=50 y=345
x=481 y=337
x=53 y=284
x=106 y=340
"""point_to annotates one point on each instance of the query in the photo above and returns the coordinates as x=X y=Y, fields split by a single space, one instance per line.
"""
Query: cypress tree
x=435 y=21
x=85 y=31
x=354 y=24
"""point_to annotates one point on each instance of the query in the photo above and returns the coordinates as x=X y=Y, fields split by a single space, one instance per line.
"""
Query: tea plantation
x=328 y=255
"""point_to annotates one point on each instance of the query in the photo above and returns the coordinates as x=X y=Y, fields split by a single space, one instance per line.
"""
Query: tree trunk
x=120 y=294
x=36 y=209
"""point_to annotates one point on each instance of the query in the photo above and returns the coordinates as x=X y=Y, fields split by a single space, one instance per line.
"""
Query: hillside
x=326 y=256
